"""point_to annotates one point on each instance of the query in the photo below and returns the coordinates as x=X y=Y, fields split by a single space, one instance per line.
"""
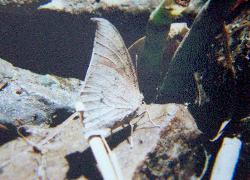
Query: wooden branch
x=106 y=161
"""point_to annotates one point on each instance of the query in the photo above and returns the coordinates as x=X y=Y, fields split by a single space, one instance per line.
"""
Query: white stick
x=104 y=159
x=226 y=159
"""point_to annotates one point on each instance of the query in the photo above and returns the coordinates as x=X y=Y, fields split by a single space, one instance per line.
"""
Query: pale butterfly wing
x=111 y=91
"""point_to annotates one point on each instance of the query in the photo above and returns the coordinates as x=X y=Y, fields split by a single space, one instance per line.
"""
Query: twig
x=106 y=160
x=3 y=127
x=34 y=145
x=220 y=131
x=226 y=159
x=41 y=170
x=205 y=166
x=58 y=130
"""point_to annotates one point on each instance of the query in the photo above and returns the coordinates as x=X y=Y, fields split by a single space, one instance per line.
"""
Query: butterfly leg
x=131 y=135
x=81 y=117
x=130 y=138
x=79 y=106
x=150 y=119
x=156 y=125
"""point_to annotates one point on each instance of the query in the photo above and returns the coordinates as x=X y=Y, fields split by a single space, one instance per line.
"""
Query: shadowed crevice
x=49 y=42
x=82 y=164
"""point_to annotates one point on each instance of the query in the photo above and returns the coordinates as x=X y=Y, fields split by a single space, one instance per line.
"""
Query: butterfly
x=110 y=96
